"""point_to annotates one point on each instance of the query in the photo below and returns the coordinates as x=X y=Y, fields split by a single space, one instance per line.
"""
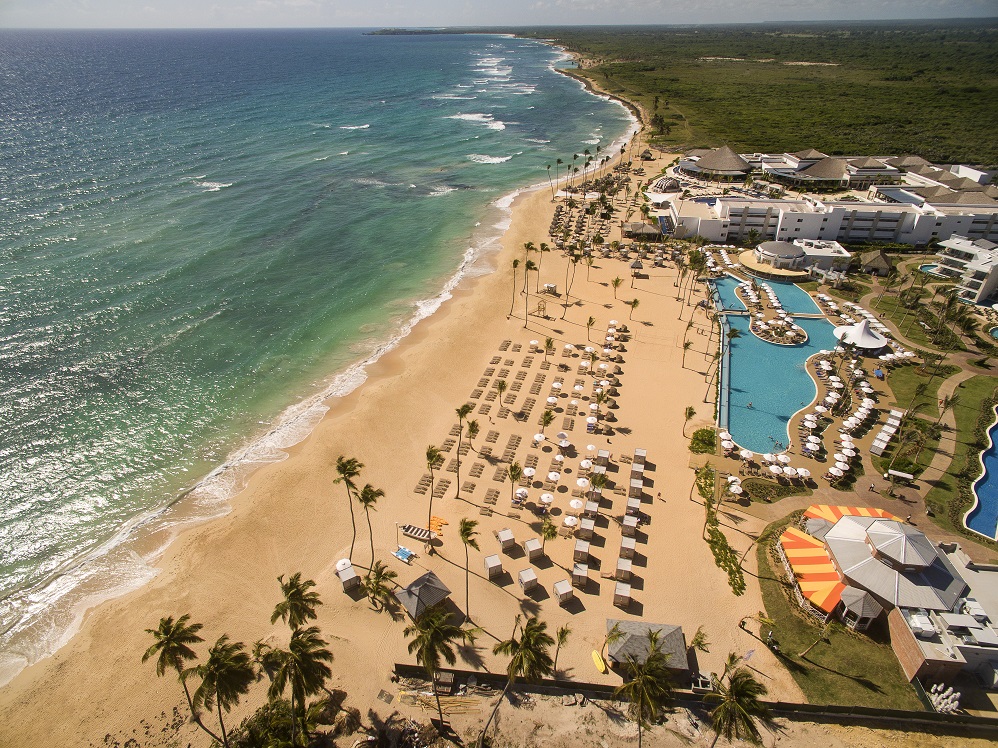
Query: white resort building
x=974 y=263
x=802 y=254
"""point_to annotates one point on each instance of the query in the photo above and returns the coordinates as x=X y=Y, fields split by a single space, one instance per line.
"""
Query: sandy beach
x=292 y=517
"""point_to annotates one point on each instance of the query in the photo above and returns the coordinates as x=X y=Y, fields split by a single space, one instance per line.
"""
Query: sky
x=429 y=13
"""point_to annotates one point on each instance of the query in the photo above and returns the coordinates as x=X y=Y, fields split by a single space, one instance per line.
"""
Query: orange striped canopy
x=834 y=513
x=813 y=570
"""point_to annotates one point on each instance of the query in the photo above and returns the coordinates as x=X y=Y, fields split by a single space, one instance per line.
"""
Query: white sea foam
x=354 y=127
x=442 y=190
x=214 y=186
x=321 y=158
x=480 y=158
x=488 y=120
x=592 y=141
x=453 y=97
x=343 y=153
x=537 y=140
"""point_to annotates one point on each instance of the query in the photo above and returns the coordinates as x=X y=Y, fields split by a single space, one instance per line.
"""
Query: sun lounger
x=404 y=555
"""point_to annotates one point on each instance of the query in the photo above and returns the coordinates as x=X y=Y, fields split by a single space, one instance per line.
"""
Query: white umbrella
x=589 y=349
x=834 y=379
x=792 y=472
x=734 y=479
x=552 y=400
x=728 y=445
x=814 y=440
x=533 y=343
x=538 y=437
x=586 y=464
x=768 y=457
x=834 y=395
x=582 y=482
x=724 y=435
x=604 y=383
x=836 y=472
x=554 y=476
x=842 y=465
x=569 y=346
x=610 y=338
x=343 y=563
x=576 y=504
x=578 y=388
x=838 y=457
x=529 y=472
x=803 y=472
x=556 y=385
x=603 y=367
x=611 y=330
x=584 y=364
x=591 y=447
x=775 y=469
x=574 y=402
x=607 y=351
x=593 y=406
x=564 y=444
x=837 y=385
x=559 y=458
x=736 y=489
x=547 y=498
x=521 y=493
x=746 y=454
x=591 y=419
x=849 y=452
x=562 y=435
x=785 y=459
x=613 y=323
x=571 y=521
x=821 y=409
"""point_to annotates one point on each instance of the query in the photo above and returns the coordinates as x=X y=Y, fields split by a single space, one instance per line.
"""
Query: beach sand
x=292 y=517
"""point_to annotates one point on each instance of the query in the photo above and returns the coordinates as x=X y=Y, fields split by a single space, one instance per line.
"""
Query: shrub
x=703 y=441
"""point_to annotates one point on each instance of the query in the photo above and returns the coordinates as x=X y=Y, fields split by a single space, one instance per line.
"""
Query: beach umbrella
x=834 y=379
x=559 y=458
x=521 y=493
x=533 y=343
x=868 y=402
x=529 y=472
x=837 y=385
x=553 y=476
x=768 y=457
x=584 y=364
x=589 y=349
x=582 y=483
x=574 y=402
x=775 y=469
x=803 y=473
x=814 y=439
x=593 y=406
x=590 y=447
x=849 y=452
x=613 y=323
x=789 y=471
x=547 y=498
x=834 y=395
x=734 y=479
x=578 y=388
x=576 y=504
x=552 y=400
x=746 y=454
x=564 y=444
x=538 y=437
x=842 y=465
x=908 y=354
x=586 y=464
x=571 y=521
x=557 y=385
x=603 y=367
x=607 y=351
x=838 y=457
x=736 y=489
x=604 y=383
x=343 y=563
x=569 y=346
x=820 y=409
x=561 y=435
x=591 y=419
x=724 y=435
x=836 y=472
x=611 y=330
x=728 y=444
x=785 y=459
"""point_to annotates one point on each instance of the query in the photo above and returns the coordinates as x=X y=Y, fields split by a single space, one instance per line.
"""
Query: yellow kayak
x=598 y=662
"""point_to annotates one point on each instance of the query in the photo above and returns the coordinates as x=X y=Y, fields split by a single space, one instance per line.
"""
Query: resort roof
x=826 y=169
x=641 y=229
x=634 y=642
x=901 y=543
x=907 y=162
x=861 y=602
x=876 y=258
x=808 y=154
x=861 y=336
x=834 y=513
x=782 y=250
x=422 y=594
x=867 y=162
x=723 y=159
x=813 y=570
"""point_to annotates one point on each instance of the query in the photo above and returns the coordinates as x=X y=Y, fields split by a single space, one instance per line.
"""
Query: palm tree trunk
x=460 y=435
x=467 y=586
x=353 y=522
x=194 y=714
x=429 y=512
x=436 y=692
x=639 y=733
x=557 y=651
x=714 y=742
x=370 y=531
x=505 y=690
x=513 y=300
x=225 y=737
x=294 y=716
x=526 y=303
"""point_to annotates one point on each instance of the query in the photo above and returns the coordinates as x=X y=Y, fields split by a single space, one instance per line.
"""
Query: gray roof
x=634 y=643
x=907 y=162
x=781 y=249
x=901 y=543
x=723 y=159
x=422 y=594
x=877 y=257
x=935 y=587
x=809 y=154
x=861 y=602
x=867 y=162
x=817 y=527
x=641 y=229
x=827 y=168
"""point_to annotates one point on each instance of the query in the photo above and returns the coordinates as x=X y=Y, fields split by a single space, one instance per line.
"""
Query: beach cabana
x=533 y=548
x=627 y=547
x=634 y=644
x=580 y=575
x=581 y=553
x=861 y=336
x=622 y=594
x=563 y=591
x=505 y=538
x=424 y=593
x=348 y=577
x=527 y=579
x=623 y=570
x=493 y=566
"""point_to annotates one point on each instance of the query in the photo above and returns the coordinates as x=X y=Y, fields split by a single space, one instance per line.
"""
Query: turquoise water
x=993 y=332
x=795 y=300
x=983 y=518
x=725 y=287
x=205 y=234
x=774 y=379
x=930 y=268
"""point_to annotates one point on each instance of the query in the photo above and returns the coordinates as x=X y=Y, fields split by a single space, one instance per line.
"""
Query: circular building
x=783 y=255
x=721 y=164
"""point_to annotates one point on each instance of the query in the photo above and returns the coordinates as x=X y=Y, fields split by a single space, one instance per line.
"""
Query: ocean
x=203 y=236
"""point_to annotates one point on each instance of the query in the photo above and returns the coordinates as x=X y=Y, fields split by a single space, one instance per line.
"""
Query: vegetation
x=349 y=468
x=706 y=88
x=704 y=441
x=433 y=640
x=759 y=489
x=647 y=687
x=850 y=668
x=738 y=705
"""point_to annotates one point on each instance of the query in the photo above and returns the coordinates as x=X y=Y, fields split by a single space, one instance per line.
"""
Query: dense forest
x=923 y=87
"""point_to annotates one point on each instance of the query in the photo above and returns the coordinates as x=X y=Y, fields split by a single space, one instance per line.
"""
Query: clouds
x=376 y=13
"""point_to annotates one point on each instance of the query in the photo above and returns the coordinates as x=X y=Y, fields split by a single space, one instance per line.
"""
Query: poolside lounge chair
x=404 y=554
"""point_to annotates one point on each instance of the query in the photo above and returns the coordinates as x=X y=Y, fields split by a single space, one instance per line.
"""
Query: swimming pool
x=795 y=300
x=725 y=287
x=983 y=518
x=774 y=380
x=931 y=268
x=993 y=332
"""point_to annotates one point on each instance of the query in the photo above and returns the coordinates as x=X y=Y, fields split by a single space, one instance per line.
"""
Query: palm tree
x=173 y=650
x=634 y=305
x=590 y=261
x=548 y=347
x=528 y=659
x=466 y=531
x=547 y=418
x=557 y=162
x=738 y=707
x=433 y=639
x=649 y=687
x=368 y=498
x=303 y=667
x=472 y=431
x=528 y=247
x=686 y=346
x=462 y=413
x=689 y=413
x=613 y=635
x=589 y=328
x=541 y=249
x=597 y=482
x=549 y=531
x=822 y=636
x=550 y=183
x=616 y=284
x=568 y=267
x=432 y=458
x=516 y=264
x=501 y=389
x=377 y=584
x=700 y=642
x=225 y=676
x=526 y=299
x=561 y=639
x=514 y=472
x=349 y=468
x=298 y=606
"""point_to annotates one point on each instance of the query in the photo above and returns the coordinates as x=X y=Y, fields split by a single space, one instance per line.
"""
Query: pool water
x=930 y=268
x=774 y=380
x=983 y=518
x=993 y=332
x=725 y=287
x=795 y=300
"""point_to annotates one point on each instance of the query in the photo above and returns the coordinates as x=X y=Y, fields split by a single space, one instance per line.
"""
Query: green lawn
x=946 y=499
x=907 y=322
x=924 y=456
x=851 y=669
x=904 y=380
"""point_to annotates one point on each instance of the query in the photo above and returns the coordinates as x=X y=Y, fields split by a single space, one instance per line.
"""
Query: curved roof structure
x=723 y=160
x=781 y=250
x=861 y=336
x=900 y=544
x=828 y=169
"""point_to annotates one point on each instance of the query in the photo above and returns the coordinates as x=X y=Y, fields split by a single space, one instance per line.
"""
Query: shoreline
x=144 y=544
